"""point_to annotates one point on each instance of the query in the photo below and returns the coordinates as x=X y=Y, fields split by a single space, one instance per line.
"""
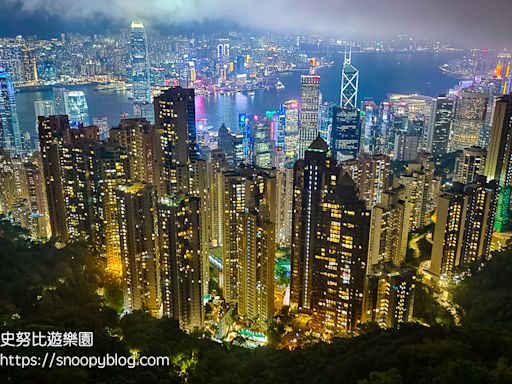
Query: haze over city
x=469 y=23
x=280 y=191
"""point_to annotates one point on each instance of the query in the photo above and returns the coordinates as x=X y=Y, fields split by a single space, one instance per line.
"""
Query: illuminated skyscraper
x=330 y=234
x=406 y=146
x=264 y=145
x=308 y=179
x=249 y=241
x=216 y=166
x=345 y=133
x=138 y=230
x=340 y=249
x=309 y=111
x=102 y=123
x=140 y=72
x=10 y=134
x=417 y=193
x=389 y=229
x=175 y=117
x=76 y=107
x=346 y=125
x=371 y=174
x=469 y=165
x=44 y=108
x=389 y=295
x=464 y=225
x=349 y=83
x=135 y=136
x=181 y=171
x=227 y=144
x=68 y=165
x=284 y=206
x=58 y=100
x=51 y=135
x=181 y=260
x=325 y=124
x=32 y=186
x=113 y=171
x=498 y=165
x=440 y=126
x=469 y=119
x=291 y=131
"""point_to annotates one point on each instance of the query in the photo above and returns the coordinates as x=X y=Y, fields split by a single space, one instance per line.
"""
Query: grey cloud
x=471 y=22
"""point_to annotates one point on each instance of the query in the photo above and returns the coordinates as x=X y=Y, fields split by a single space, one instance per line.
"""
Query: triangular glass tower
x=349 y=82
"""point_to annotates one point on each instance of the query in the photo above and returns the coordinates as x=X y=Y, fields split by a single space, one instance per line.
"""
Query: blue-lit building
x=58 y=100
x=9 y=125
x=345 y=133
x=325 y=123
x=346 y=119
x=76 y=108
x=46 y=71
x=244 y=127
x=140 y=74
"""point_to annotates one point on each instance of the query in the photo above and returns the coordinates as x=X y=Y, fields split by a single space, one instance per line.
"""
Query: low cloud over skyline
x=472 y=23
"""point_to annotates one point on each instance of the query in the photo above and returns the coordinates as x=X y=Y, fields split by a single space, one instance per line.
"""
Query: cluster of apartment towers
x=147 y=202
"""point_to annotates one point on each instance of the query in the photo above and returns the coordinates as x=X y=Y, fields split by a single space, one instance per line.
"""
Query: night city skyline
x=229 y=192
x=470 y=24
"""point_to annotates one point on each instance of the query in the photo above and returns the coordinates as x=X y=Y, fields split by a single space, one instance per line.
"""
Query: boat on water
x=279 y=85
x=251 y=93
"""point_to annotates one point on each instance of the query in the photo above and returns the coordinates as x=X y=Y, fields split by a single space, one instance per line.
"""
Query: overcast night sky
x=470 y=23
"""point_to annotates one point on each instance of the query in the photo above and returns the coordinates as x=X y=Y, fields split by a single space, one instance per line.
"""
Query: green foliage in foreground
x=49 y=289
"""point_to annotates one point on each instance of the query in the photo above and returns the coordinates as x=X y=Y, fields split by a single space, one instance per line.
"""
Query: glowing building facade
x=249 y=241
x=464 y=226
x=469 y=119
x=140 y=72
x=498 y=165
x=10 y=134
x=140 y=252
x=76 y=108
x=309 y=111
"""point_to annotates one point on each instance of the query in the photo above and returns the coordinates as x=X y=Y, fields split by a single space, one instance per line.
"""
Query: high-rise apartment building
x=181 y=260
x=498 y=165
x=464 y=225
x=249 y=241
x=308 y=179
x=175 y=118
x=113 y=171
x=340 y=253
x=51 y=137
x=136 y=136
x=389 y=229
x=469 y=165
x=417 y=192
x=284 y=206
x=371 y=175
x=389 y=295
x=406 y=146
x=140 y=253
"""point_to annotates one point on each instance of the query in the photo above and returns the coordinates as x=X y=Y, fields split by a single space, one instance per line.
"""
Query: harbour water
x=379 y=75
